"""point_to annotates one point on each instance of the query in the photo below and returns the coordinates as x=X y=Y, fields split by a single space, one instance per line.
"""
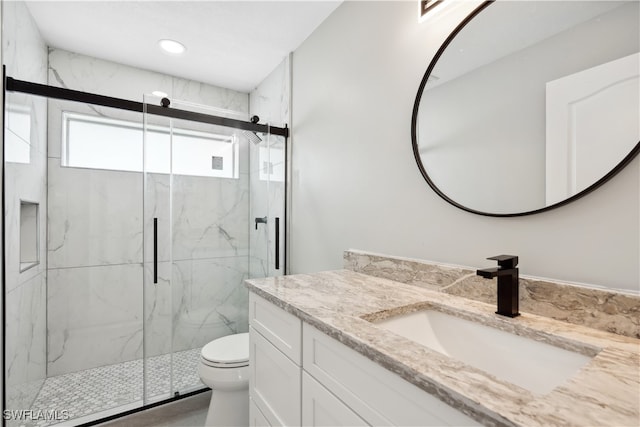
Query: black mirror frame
x=414 y=140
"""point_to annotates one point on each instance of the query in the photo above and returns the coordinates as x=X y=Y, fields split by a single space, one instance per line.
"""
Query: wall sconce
x=427 y=7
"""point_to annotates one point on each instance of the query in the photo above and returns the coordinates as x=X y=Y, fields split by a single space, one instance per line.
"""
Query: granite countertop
x=341 y=303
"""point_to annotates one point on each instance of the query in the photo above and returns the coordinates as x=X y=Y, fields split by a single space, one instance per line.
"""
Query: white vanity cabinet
x=318 y=381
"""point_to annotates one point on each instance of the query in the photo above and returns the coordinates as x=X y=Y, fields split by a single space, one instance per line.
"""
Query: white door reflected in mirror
x=581 y=146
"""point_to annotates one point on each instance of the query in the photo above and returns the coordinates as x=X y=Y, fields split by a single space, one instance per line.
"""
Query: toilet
x=224 y=367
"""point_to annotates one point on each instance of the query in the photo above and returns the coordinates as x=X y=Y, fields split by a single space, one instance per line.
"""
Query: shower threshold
x=84 y=396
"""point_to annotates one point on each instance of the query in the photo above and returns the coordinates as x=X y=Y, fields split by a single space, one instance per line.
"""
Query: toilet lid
x=230 y=350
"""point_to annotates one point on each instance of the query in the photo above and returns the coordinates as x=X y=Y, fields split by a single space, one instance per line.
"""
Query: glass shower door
x=157 y=311
x=210 y=238
x=196 y=243
x=268 y=205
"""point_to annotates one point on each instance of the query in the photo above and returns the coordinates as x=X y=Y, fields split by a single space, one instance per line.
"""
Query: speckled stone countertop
x=341 y=303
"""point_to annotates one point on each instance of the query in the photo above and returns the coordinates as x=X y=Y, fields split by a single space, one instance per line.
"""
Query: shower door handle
x=155 y=250
x=277 y=239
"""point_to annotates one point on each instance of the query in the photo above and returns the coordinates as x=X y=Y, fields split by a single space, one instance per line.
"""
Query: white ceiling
x=232 y=44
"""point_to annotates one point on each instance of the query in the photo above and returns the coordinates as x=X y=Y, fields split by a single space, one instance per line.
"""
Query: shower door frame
x=10 y=84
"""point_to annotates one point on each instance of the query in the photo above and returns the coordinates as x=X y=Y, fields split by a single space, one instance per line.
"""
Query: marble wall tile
x=258 y=267
x=259 y=238
x=595 y=308
x=22 y=396
x=158 y=310
x=244 y=152
x=25 y=55
x=25 y=124
x=23 y=49
x=235 y=103
x=81 y=72
x=94 y=316
x=271 y=99
x=95 y=217
x=276 y=197
x=209 y=300
x=157 y=205
x=209 y=217
x=200 y=204
x=85 y=73
x=25 y=341
x=205 y=301
x=267 y=199
x=23 y=183
x=26 y=182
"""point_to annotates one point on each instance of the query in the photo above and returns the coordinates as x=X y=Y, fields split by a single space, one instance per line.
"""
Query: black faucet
x=507 y=274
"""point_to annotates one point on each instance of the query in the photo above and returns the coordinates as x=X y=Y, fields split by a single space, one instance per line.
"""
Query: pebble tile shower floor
x=99 y=389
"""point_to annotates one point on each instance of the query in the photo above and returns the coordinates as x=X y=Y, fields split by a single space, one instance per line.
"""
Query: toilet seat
x=231 y=351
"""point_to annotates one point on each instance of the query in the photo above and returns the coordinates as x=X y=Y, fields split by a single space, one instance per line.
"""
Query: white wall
x=355 y=183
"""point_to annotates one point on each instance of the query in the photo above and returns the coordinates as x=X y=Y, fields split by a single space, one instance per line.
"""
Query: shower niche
x=29 y=232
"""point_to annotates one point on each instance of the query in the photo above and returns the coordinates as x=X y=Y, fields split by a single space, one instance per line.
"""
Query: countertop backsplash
x=605 y=310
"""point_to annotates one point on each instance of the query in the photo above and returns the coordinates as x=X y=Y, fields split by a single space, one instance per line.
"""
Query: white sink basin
x=533 y=365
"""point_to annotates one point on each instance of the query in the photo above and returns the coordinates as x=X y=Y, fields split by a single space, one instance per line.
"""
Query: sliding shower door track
x=38 y=89
x=142 y=408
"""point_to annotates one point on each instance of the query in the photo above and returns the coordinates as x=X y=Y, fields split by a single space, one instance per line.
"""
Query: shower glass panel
x=196 y=215
x=267 y=202
x=94 y=229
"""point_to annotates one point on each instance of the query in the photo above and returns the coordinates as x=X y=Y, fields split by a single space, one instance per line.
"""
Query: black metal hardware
x=3 y=278
x=155 y=250
x=508 y=283
x=13 y=85
x=277 y=239
x=165 y=102
x=262 y=220
x=175 y=398
x=286 y=202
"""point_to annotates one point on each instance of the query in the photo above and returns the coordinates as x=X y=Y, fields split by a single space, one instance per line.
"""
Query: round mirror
x=530 y=105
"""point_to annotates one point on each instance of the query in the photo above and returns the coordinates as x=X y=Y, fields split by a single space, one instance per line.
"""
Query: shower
x=135 y=248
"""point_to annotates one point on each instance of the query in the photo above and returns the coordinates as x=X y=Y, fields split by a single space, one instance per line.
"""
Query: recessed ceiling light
x=159 y=94
x=171 y=46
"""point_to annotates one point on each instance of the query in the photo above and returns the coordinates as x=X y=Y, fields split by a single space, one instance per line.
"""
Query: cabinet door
x=321 y=408
x=256 y=417
x=274 y=385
